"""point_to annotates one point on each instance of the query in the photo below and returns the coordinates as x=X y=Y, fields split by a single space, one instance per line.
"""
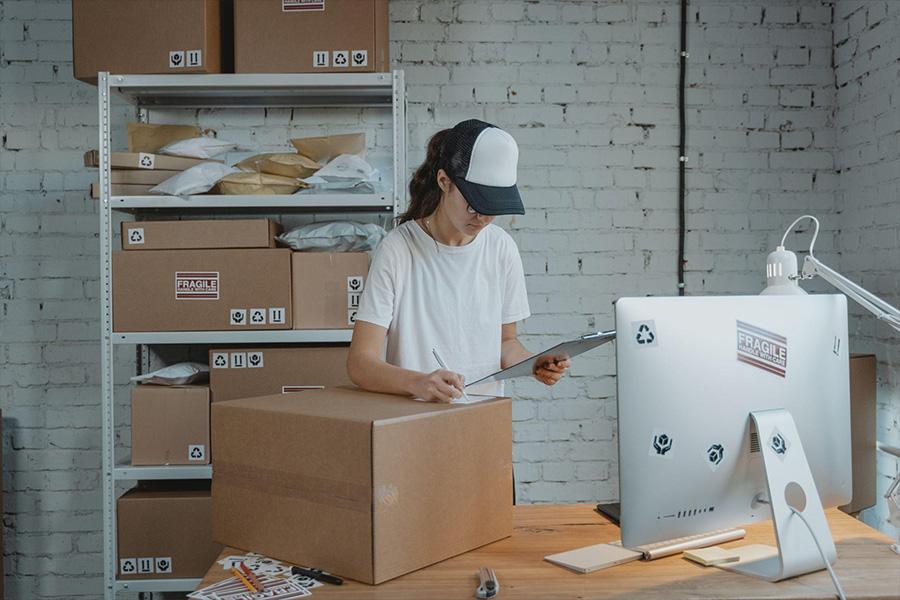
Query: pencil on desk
x=240 y=577
x=252 y=578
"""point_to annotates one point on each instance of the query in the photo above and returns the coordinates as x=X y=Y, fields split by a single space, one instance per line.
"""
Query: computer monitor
x=689 y=372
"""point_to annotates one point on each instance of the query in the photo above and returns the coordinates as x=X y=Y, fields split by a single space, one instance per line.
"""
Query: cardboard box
x=248 y=372
x=170 y=425
x=368 y=486
x=165 y=531
x=145 y=36
x=327 y=288
x=311 y=36
x=202 y=290
x=186 y=235
x=143 y=160
x=862 y=432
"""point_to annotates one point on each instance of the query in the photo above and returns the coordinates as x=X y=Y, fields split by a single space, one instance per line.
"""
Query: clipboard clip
x=488 y=586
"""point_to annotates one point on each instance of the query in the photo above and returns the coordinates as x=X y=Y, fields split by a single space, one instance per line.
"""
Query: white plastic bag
x=346 y=169
x=198 y=147
x=336 y=236
x=196 y=180
x=177 y=374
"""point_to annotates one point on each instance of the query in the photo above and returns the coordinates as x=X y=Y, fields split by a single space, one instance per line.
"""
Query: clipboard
x=568 y=349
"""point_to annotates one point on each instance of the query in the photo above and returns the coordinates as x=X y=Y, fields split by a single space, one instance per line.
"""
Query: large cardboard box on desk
x=327 y=287
x=165 y=531
x=202 y=290
x=170 y=425
x=248 y=372
x=367 y=486
x=145 y=36
x=311 y=36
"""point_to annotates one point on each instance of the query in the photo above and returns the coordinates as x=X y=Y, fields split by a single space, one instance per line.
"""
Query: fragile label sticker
x=762 y=349
x=355 y=283
x=320 y=58
x=195 y=58
x=145 y=565
x=146 y=161
x=290 y=389
x=276 y=315
x=257 y=316
x=238 y=360
x=255 y=360
x=176 y=59
x=128 y=566
x=300 y=5
x=196 y=285
x=196 y=452
x=340 y=58
x=135 y=235
x=237 y=316
x=353 y=300
x=220 y=360
x=360 y=58
x=351 y=317
x=163 y=564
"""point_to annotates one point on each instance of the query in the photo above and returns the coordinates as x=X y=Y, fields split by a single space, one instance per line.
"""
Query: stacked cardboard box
x=170 y=425
x=201 y=276
x=195 y=36
x=262 y=371
x=165 y=531
x=135 y=173
x=150 y=36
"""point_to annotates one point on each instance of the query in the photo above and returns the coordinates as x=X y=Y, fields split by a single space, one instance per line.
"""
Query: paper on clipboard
x=568 y=349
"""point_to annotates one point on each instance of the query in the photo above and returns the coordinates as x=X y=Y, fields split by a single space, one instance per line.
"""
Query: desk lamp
x=782 y=278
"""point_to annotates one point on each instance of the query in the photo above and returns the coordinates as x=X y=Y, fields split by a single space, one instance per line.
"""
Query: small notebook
x=594 y=558
x=711 y=556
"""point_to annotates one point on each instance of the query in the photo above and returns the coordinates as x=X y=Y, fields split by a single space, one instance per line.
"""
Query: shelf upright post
x=399 y=123
x=107 y=390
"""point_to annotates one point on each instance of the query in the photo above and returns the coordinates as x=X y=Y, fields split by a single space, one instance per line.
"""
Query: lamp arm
x=812 y=266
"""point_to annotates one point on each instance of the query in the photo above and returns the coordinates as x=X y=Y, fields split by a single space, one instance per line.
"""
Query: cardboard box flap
x=431 y=506
x=346 y=404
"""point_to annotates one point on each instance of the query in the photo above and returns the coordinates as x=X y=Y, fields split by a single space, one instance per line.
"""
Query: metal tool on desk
x=488 y=586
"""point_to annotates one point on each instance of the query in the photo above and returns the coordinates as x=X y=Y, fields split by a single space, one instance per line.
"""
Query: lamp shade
x=781 y=274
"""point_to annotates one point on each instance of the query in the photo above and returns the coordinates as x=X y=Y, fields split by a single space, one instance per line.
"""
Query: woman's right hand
x=438 y=386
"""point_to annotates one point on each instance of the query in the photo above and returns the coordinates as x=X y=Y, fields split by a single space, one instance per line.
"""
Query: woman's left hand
x=550 y=369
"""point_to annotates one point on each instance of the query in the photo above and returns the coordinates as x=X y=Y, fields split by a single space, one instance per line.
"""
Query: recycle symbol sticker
x=196 y=452
x=136 y=235
x=644 y=333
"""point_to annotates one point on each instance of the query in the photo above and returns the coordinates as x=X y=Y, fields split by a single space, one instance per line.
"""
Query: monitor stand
x=789 y=483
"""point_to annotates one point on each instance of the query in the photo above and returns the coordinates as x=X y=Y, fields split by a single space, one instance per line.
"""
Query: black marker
x=317 y=574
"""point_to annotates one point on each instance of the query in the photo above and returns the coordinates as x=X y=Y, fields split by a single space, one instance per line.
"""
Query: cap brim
x=491 y=200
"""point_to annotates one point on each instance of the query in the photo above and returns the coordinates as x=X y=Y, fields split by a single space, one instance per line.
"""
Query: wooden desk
x=866 y=566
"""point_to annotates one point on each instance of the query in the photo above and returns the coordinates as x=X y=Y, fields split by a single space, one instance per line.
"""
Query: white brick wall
x=867 y=157
x=587 y=88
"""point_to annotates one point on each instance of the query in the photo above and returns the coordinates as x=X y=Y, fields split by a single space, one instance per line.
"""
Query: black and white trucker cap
x=481 y=160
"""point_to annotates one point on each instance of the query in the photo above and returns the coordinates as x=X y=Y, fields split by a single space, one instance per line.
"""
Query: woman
x=446 y=282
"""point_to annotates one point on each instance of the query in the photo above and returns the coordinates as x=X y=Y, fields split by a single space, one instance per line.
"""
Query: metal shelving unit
x=145 y=92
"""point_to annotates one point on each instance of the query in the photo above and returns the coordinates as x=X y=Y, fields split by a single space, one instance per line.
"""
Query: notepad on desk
x=594 y=558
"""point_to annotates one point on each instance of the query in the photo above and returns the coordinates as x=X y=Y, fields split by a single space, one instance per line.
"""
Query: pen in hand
x=443 y=365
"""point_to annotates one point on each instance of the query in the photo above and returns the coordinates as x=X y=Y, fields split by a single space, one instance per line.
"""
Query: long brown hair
x=424 y=192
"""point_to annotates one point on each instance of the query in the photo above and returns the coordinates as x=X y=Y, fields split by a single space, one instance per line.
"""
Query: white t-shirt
x=452 y=298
